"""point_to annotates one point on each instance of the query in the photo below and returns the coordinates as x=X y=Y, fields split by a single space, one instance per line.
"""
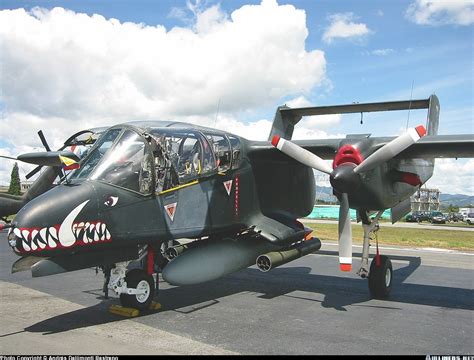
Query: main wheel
x=140 y=280
x=380 y=278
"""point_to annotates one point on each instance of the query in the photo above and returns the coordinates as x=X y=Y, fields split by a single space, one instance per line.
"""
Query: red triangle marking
x=228 y=186
x=171 y=210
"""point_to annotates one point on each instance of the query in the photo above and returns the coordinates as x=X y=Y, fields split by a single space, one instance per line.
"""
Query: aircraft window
x=209 y=161
x=127 y=164
x=181 y=157
x=190 y=155
x=221 y=147
x=235 y=143
x=104 y=143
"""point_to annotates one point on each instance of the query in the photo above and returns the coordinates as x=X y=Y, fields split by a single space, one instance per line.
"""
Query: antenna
x=217 y=112
x=409 y=106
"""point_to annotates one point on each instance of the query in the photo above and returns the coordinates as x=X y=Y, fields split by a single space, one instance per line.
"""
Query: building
x=425 y=200
x=24 y=186
x=466 y=210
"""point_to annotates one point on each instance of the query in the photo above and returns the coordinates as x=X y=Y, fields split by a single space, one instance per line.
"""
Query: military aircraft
x=144 y=185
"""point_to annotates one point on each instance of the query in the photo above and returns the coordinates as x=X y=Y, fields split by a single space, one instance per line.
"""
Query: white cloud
x=342 y=26
x=309 y=124
x=64 y=71
x=382 y=52
x=461 y=179
x=441 y=12
x=73 y=65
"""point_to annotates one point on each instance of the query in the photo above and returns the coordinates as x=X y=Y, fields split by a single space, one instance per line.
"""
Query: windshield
x=122 y=161
x=105 y=143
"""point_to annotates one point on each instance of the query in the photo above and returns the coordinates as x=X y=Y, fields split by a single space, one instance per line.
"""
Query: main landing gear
x=380 y=274
x=136 y=287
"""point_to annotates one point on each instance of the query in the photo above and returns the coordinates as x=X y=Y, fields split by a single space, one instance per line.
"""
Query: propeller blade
x=34 y=171
x=59 y=171
x=345 y=235
x=43 y=140
x=8 y=157
x=303 y=156
x=392 y=149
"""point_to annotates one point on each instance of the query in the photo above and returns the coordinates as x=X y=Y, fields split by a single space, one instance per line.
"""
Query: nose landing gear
x=140 y=290
x=380 y=274
x=136 y=287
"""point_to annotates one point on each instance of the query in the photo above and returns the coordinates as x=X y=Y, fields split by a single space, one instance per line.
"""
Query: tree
x=15 y=187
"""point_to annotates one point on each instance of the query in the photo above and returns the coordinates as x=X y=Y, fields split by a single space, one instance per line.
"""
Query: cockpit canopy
x=159 y=160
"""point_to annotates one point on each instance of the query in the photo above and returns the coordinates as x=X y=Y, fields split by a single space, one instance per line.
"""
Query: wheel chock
x=155 y=306
x=123 y=311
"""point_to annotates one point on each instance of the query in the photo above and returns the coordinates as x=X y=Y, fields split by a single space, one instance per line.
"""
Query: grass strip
x=408 y=237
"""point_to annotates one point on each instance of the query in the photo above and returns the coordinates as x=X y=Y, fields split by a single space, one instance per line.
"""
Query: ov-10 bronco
x=144 y=185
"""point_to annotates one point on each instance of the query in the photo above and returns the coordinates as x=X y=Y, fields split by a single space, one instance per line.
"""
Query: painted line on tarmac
x=434 y=250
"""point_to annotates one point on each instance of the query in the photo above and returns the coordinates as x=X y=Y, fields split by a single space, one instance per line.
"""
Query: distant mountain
x=456 y=200
x=324 y=193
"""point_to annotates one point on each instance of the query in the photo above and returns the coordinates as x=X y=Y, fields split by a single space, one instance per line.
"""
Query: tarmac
x=304 y=307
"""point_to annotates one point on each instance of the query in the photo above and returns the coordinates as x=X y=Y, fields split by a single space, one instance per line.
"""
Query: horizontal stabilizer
x=286 y=118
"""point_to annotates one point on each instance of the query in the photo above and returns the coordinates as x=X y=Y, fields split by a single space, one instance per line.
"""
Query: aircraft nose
x=344 y=179
x=53 y=221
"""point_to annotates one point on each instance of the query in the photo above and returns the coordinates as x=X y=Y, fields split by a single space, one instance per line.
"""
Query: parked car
x=469 y=218
x=437 y=217
x=418 y=216
x=423 y=216
x=455 y=217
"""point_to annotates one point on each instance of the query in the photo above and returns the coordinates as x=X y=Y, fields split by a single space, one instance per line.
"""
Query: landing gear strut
x=136 y=287
x=380 y=275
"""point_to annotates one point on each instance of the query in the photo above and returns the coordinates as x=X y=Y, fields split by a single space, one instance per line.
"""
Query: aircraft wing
x=430 y=146
x=441 y=146
x=325 y=149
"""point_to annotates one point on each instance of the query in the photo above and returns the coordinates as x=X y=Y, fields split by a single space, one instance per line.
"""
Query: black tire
x=380 y=278
x=138 y=278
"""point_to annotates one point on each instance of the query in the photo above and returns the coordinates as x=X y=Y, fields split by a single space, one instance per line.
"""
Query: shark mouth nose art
x=67 y=234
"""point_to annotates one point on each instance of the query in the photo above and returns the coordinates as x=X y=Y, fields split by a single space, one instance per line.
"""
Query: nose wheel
x=380 y=273
x=380 y=277
x=142 y=288
x=136 y=287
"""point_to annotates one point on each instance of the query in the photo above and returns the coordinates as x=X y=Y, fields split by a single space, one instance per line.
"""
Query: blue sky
x=385 y=51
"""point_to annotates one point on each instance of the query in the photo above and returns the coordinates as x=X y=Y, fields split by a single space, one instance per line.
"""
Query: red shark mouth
x=47 y=238
x=65 y=235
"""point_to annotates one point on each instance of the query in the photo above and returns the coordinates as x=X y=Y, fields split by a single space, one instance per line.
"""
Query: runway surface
x=305 y=307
